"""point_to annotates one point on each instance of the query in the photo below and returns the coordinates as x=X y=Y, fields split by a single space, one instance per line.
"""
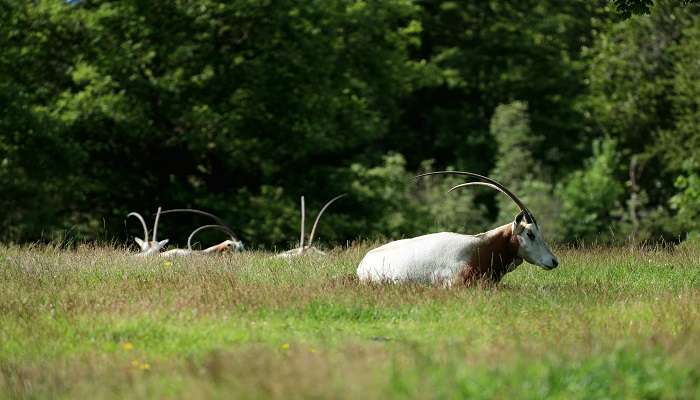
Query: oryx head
x=533 y=247
x=232 y=245
x=148 y=246
x=531 y=244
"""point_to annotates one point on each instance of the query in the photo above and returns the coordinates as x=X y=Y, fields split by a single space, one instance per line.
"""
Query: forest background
x=589 y=110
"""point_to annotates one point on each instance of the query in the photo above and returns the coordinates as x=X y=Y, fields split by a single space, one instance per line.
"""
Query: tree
x=36 y=158
x=240 y=107
x=633 y=98
x=626 y=8
x=591 y=197
x=395 y=205
x=517 y=167
x=486 y=53
x=680 y=146
x=206 y=104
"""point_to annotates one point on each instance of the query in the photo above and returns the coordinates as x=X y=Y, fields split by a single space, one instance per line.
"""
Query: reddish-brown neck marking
x=219 y=248
x=493 y=257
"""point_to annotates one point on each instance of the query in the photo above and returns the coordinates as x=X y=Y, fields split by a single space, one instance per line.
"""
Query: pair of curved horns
x=318 y=218
x=143 y=224
x=488 y=182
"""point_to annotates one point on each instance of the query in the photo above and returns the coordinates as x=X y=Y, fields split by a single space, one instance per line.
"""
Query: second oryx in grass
x=226 y=246
x=303 y=248
x=447 y=258
x=232 y=244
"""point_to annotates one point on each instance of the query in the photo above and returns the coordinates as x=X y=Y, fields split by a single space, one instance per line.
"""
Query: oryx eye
x=531 y=235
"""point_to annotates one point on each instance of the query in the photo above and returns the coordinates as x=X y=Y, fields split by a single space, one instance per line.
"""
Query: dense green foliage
x=96 y=323
x=240 y=107
x=589 y=196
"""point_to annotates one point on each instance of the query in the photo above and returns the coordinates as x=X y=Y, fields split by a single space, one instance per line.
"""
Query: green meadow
x=97 y=323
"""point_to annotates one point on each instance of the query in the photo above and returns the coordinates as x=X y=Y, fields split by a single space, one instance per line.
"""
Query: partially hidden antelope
x=231 y=244
x=448 y=258
x=308 y=247
x=148 y=247
x=226 y=246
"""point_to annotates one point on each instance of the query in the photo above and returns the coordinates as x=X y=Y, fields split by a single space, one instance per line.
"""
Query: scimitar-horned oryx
x=226 y=246
x=308 y=247
x=232 y=244
x=447 y=258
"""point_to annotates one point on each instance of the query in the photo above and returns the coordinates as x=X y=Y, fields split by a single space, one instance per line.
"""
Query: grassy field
x=95 y=323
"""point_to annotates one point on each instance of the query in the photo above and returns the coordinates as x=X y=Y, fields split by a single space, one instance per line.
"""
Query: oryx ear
x=519 y=223
x=141 y=243
x=162 y=243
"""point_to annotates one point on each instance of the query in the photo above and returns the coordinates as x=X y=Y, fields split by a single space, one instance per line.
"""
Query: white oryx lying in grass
x=154 y=247
x=148 y=247
x=226 y=246
x=308 y=247
x=447 y=258
x=232 y=244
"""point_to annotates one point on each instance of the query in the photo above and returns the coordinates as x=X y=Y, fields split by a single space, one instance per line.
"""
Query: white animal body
x=446 y=258
x=223 y=247
x=433 y=258
x=299 y=251
x=173 y=253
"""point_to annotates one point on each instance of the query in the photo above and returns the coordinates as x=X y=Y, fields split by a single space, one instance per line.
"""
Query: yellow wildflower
x=285 y=346
x=127 y=346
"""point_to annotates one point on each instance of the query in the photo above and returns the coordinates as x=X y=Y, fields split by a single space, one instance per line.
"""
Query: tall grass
x=98 y=323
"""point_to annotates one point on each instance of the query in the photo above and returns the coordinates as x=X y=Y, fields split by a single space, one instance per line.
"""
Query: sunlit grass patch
x=97 y=321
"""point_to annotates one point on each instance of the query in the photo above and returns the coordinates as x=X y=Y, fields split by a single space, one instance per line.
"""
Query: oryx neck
x=496 y=254
x=219 y=248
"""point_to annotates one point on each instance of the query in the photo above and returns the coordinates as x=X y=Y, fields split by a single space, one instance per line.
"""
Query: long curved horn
x=155 y=224
x=143 y=223
x=492 y=186
x=195 y=211
x=318 y=217
x=461 y=185
x=221 y=228
x=486 y=179
x=303 y=216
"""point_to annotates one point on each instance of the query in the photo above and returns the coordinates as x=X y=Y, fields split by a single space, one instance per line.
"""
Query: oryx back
x=433 y=258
